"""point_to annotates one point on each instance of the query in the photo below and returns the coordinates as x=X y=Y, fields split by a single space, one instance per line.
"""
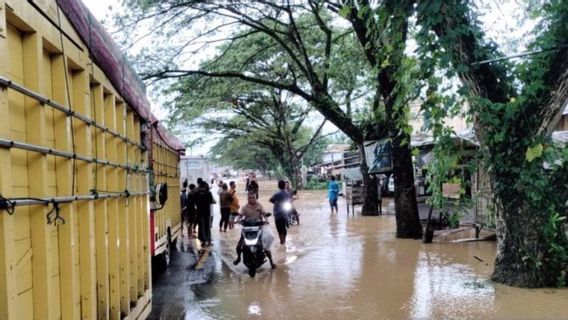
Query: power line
x=519 y=55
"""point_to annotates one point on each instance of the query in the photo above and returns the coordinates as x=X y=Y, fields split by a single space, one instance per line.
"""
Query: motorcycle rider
x=294 y=195
x=280 y=214
x=254 y=210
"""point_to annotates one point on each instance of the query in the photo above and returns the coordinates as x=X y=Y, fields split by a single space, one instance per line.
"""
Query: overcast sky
x=100 y=8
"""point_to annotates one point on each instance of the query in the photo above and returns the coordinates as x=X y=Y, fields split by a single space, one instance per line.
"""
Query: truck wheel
x=163 y=260
x=168 y=252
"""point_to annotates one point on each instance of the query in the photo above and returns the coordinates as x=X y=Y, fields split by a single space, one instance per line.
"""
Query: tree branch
x=165 y=74
x=305 y=148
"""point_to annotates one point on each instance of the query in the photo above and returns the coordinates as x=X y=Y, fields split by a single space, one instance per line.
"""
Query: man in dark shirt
x=184 y=208
x=192 y=211
x=279 y=199
x=204 y=200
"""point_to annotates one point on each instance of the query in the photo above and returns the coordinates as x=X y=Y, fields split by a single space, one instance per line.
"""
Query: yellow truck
x=80 y=154
x=165 y=216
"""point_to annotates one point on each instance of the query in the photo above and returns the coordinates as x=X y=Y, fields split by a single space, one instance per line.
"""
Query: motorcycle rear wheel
x=294 y=220
x=252 y=272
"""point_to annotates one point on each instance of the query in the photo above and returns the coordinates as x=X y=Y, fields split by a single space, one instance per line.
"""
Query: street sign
x=379 y=156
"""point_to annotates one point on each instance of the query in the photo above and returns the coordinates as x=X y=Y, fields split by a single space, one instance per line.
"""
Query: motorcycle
x=254 y=254
x=293 y=216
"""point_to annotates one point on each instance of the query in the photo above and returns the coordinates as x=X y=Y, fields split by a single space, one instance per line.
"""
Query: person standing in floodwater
x=280 y=214
x=234 y=204
x=204 y=200
x=191 y=203
x=225 y=200
x=183 y=206
x=332 y=194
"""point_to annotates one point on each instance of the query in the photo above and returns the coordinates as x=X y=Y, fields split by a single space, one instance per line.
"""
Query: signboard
x=379 y=156
x=451 y=190
x=353 y=174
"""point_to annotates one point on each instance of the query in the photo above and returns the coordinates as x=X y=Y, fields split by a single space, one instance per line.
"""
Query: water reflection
x=435 y=282
x=340 y=267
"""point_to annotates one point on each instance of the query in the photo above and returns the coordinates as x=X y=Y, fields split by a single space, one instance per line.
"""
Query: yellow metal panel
x=21 y=226
x=132 y=211
x=87 y=259
x=124 y=212
x=124 y=215
x=140 y=236
x=49 y=112
x=133 y=249
x=19 y=172
x=147 y=239
x=113 y=255
x=101 y=227
x=95 y=265
x=8 y=306
x=2 y=33
x=67 y=233
x=46 y=85
x=83 y=140
x=37 y=170
x=15 y=54
x=112 y=210
x=54 y=238
x=25 y=300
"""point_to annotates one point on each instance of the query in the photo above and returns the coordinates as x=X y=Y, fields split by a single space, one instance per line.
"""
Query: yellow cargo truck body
x=165 y=219
x=75 y=236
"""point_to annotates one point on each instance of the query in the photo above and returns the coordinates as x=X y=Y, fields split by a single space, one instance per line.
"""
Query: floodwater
x=352 y=267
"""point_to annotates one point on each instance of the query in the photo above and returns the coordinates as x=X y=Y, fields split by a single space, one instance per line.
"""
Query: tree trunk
x=371 y=202
x=293 y=172
x=297 y=176
x=405 y=206
x=531 y=251
x=522 y=245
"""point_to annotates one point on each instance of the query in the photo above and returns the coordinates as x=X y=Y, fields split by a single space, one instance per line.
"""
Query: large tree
x=515 y=107
x=303 y=34
x=382 y=33
x=266 y=118
x=240 y=154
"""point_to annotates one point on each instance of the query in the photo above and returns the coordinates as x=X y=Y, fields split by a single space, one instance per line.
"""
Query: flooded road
x=352 y=267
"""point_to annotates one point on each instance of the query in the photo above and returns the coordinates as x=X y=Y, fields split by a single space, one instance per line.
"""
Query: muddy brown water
x=352 y=267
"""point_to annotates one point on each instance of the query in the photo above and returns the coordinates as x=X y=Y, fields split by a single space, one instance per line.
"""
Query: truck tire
x=168 y=252
x=162 y=261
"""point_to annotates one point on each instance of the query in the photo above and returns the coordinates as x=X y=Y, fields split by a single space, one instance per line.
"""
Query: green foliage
x=528 y=170
x=313 y=183
x=533 y=152
x=454 y=219
x=242 y=155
